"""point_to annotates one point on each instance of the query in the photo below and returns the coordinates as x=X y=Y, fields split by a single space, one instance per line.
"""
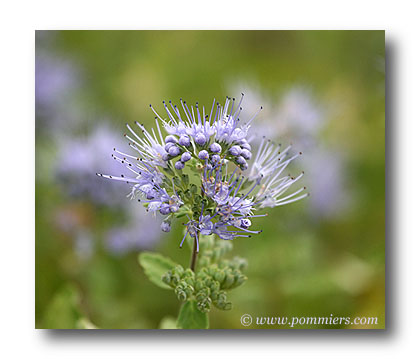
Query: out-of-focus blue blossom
x=301 y=112
x=299 y=116
x=142 y=232
x=79 y=157
x=57 y=82
x=329 y=196
x=55 y=79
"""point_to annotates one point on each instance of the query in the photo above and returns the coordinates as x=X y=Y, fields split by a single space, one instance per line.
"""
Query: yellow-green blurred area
x=323 y=91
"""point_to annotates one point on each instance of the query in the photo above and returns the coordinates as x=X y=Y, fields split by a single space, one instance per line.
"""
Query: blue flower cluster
x=200 y=170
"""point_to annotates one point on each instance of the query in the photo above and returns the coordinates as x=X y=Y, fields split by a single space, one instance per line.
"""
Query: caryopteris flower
x=201 y=170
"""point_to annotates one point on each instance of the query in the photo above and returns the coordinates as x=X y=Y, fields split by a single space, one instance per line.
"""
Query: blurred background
x=322 y=91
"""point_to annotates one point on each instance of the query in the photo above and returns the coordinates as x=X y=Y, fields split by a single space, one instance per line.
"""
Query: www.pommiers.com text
x=291 y=322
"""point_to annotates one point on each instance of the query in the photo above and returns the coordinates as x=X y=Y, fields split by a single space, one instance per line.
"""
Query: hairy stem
x=194 y=253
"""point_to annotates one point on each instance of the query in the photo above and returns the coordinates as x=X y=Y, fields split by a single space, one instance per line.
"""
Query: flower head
x=214 y=146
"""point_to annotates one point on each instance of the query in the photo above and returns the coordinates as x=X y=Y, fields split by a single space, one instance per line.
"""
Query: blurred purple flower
x=58 y=111
x=56 y=82
x=300 y=111
x=142 y=232
x=80 y=157
x=328 y=193
x=54 y=78
x=300 y=117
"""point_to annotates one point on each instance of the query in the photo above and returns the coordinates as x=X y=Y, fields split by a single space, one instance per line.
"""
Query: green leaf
x=191 y=318
x=155 y=266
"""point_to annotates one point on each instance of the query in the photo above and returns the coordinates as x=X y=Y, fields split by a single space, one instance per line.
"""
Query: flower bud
x=214 y=286
x=174 y=151
x=165 y=226
x=174 y=279
x=191 y=282
x=199 y=284
x=229 y=280
x=220 y=276
x=235 y=150
x=170 y=139
x=200 y=139
x=203 y=273
x=165 y=210
x=213 y=296
x=239 y=160
x=204 y=305
x=222 y=297
x=168 y=146
x=184 y=140
x=179 y=270
x=246 y=154
x=185 y=157
x=189 y=289
x=179 y=165
x=208 y=281
x=203 y=294
x=203 y=155
x=245 y=145
x=180 y=293
x=212 y=269
x=240 y=280
x=166 y=278
x=215 y=147
x=188 y=273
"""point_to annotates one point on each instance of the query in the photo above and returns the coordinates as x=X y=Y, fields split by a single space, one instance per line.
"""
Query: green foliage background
x=301 y=265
